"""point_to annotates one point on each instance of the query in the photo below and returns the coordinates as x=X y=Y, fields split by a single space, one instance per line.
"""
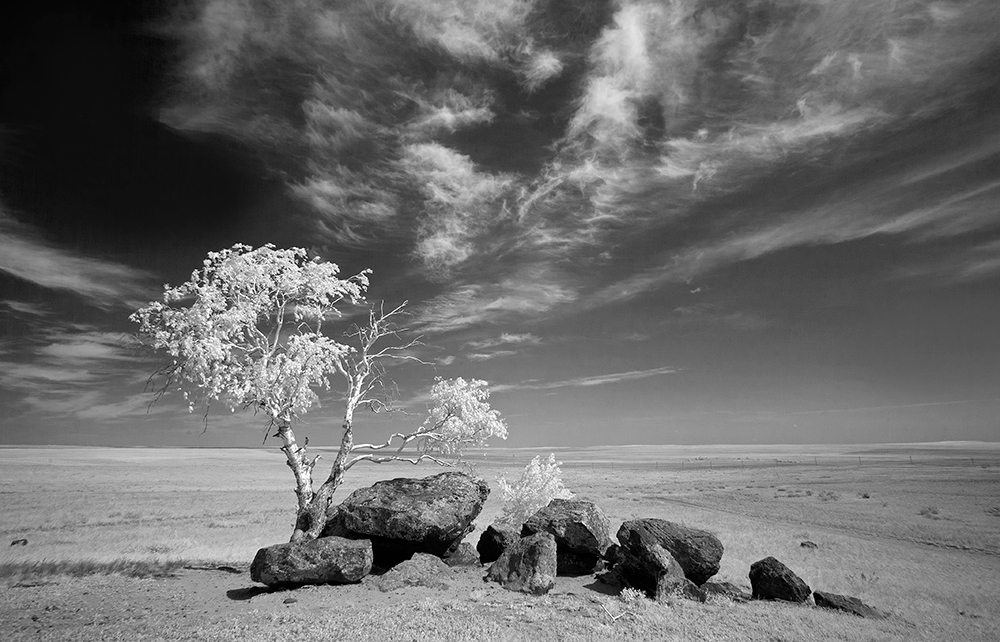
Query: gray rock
x=327 y=560
x=582 y=533
x=698 y=552
x=420 y=570
x=772 y=580
x=405 y=516
x=528 y=565
x=495 y=539
x=727 y=590
x=648 y=566
x=464 y=555
x=809 y=544
x=847 y=604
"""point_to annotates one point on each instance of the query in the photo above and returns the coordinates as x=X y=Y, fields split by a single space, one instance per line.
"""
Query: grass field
x=914 y=530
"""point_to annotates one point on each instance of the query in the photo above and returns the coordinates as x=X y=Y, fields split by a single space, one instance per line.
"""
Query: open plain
x=150 y=544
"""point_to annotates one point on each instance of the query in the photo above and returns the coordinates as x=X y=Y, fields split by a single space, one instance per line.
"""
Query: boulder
x=772 y=580
x=581 y=530
x=420 y=570
x=327 y=560
x=528 y=565
x=848 y=604
x=698 y=552
x=405 y=516
x=495 y=539
x=727 y=590
x=648 y=566
x=464 y=555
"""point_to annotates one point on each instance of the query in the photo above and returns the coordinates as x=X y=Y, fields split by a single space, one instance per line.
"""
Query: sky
x=642 y=221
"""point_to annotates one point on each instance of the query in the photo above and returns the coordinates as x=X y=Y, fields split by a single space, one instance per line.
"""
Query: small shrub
x=930 y=512
x=632 y=596
x=829 y=496
x=540 y=483
x=865 y=495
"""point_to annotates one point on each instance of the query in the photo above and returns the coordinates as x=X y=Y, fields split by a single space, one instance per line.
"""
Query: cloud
x=585 y=382
x=103 y=284
x=669 y=124
x=460 y=204
x=75 y=371
x=30 y=309
x=486 y=356
x=507 y=338
x=530 y=292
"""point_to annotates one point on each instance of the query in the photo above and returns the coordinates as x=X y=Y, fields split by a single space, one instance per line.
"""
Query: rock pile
x=414 y=528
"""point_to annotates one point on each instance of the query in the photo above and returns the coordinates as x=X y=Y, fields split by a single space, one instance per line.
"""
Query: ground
x=937 y=571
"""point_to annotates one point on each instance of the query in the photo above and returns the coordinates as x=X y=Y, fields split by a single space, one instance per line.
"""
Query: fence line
x=730 y=463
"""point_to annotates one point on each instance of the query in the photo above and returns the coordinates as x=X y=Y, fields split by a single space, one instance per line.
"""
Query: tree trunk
x=311 y=518
x=301 y=468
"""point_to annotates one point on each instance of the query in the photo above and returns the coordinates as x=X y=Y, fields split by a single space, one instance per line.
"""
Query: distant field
x=920 y=539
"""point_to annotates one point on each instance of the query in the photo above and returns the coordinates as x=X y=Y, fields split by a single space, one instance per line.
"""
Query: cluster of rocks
x=412 y=529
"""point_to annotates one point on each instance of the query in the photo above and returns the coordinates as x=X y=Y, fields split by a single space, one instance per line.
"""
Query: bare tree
x=252 y=336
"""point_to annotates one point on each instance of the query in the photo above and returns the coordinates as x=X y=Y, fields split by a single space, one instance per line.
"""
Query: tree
x=249 y=330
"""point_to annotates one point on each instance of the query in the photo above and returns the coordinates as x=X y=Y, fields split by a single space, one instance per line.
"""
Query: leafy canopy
x=460 y=417
x=251 y=335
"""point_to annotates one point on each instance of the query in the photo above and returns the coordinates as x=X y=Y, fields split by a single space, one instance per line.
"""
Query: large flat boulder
x=698 y=552
x=327 y=560
x=772 y=580
x=405 y=516
x=581 y=530
x=527 y=566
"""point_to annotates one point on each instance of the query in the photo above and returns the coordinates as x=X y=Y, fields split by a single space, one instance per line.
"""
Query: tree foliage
x=252 y=333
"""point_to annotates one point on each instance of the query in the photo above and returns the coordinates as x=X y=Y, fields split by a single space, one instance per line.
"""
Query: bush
x=540 y=483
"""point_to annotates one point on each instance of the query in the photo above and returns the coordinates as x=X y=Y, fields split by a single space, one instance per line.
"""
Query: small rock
x=19 y=542
x=421 y=570
x=809 y=544
x=528 y=565
x=848 y=604
x=289 y=600
x=464 y=555
x=495 y=539
x=727 y=590
x=772 y=580
x=582 y=533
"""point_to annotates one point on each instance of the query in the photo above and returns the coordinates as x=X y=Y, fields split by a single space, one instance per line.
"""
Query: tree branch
x=386 y=458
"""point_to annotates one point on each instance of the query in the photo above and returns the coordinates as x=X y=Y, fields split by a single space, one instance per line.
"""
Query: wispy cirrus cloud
x=396 y=121
x=102 y=283
x=584 y=382
x=71 y=370
x=506 y=338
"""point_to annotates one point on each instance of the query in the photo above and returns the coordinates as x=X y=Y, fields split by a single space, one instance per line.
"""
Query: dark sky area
x=685 y=221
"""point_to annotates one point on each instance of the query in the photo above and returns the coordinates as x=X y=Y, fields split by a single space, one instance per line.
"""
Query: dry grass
x=138 y=512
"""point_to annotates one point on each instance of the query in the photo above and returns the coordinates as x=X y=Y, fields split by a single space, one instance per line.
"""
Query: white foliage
x=460 y=417
x=540 y=483
x=251 y=333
